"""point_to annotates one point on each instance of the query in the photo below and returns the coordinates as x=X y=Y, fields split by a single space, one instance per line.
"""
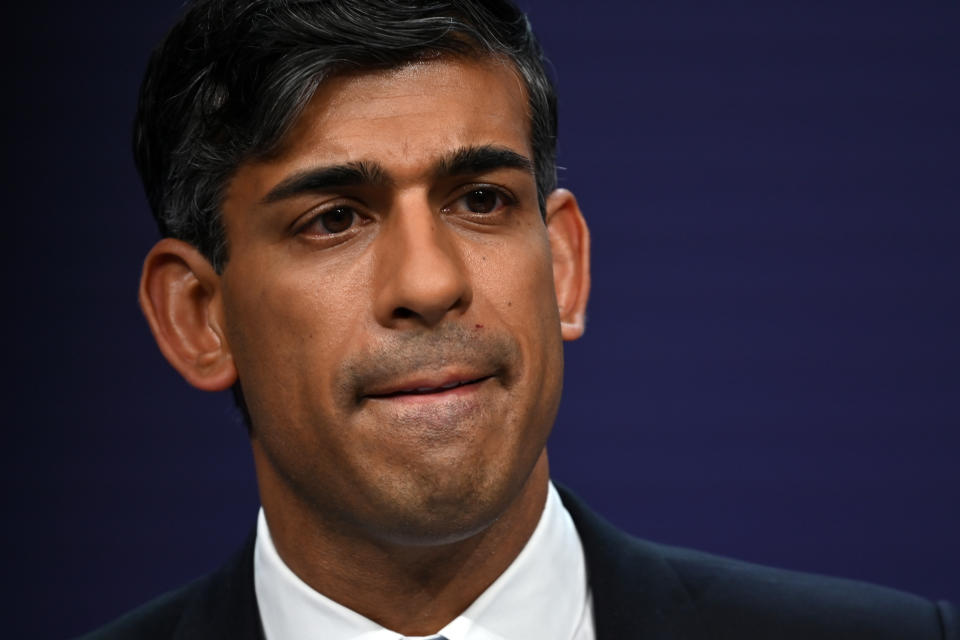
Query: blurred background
x=772 y=365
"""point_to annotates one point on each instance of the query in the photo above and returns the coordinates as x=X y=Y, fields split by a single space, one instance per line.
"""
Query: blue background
x=772 y=363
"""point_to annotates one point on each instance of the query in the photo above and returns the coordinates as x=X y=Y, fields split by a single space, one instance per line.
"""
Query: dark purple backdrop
x=772 y=364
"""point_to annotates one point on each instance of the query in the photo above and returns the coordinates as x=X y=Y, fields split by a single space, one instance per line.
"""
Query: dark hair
x=232 y=75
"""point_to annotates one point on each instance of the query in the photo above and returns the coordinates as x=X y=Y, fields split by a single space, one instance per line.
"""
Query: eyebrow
x=480 y=159
x=327 y=178
x=463 y=161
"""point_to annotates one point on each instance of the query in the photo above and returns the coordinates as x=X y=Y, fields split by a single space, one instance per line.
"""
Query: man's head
x=401 y=271
x=233 y=75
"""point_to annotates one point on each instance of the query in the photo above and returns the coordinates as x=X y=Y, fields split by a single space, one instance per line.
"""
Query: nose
x=422 y=276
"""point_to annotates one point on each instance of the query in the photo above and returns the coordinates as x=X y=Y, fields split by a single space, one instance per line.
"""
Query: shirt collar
x=542 y=595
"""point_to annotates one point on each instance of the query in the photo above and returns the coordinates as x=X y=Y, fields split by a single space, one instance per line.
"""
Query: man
x=364 y=240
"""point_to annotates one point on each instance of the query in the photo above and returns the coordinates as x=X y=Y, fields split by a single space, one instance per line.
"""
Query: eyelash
x=504 y=197
x=357 y=220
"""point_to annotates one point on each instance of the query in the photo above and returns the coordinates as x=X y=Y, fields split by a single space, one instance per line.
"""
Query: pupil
x=481 y=201
x=337 y=220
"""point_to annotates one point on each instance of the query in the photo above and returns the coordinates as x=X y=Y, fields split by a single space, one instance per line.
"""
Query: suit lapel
x=636 y=593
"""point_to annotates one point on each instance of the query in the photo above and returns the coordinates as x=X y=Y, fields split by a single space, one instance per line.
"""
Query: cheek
x=518 y=285
x=523 y=285
x=287 y=329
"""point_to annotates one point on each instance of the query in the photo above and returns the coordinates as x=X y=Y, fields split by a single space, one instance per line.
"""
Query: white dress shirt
x=542 y=595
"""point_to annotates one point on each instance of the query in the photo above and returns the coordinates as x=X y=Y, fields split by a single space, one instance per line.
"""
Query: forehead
x=405 y=117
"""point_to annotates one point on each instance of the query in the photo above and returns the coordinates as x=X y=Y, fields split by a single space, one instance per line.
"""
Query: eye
x=332 y=221
x=482 y=200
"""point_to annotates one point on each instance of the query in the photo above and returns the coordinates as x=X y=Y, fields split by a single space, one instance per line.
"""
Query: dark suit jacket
x=641 y=590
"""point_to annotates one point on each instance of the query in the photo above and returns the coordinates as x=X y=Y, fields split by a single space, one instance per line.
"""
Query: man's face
x=389 y=303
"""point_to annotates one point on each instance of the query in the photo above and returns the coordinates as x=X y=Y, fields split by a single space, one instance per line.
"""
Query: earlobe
x=570 y=246
x=180 y=297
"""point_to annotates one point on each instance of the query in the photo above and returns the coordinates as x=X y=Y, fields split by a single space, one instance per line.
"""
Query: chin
x=443 y=508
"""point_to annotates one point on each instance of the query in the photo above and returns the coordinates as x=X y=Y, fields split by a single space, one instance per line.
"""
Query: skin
x=402 y=506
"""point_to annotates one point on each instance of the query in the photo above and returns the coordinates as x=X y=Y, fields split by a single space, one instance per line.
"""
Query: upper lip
x=425 y=383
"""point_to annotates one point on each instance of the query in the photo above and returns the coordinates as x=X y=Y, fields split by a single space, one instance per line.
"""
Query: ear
x=180 y=296
x=570 y=245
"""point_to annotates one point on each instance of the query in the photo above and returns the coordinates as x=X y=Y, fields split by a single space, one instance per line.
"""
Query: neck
x=413 y=589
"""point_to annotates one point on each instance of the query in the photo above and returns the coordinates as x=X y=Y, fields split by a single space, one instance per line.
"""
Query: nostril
x=402 y=313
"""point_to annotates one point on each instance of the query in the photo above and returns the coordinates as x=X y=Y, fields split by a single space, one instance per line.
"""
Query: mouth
x=425 y=387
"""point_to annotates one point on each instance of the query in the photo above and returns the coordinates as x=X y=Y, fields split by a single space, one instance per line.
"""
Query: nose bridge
x=422 y=272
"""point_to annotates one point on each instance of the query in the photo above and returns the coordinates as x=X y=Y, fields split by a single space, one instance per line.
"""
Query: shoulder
x=741 y=597
x=220 y=605
x=677 y=592
x=155 y=620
